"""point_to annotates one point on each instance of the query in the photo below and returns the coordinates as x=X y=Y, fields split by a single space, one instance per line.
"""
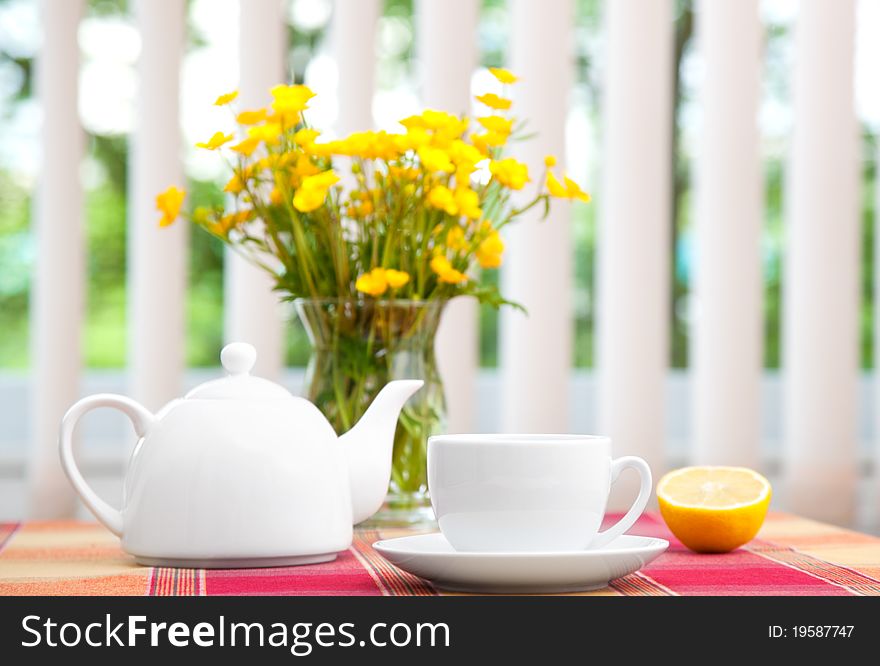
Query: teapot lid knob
x=238 y=358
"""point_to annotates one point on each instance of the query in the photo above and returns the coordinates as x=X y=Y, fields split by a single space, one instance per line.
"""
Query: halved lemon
x=714 y=509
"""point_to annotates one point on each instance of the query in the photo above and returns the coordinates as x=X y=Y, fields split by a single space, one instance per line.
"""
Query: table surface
x=790 y=556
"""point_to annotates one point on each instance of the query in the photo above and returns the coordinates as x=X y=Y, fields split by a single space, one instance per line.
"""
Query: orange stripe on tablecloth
x=93 y=552
x=640 y=585
x=112 y=586
x=391 y=580
x=845 y=577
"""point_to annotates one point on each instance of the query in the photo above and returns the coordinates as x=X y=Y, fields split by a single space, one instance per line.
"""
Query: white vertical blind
x=59 y=277
x=634 y=234
x=446 y=78
x=821 y=297
x=156 y=256
x=536 y=351
x=252 y=310
x=353 y=43
x=726 y=359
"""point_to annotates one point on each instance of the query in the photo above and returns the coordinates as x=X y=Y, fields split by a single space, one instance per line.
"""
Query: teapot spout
x=368 y=445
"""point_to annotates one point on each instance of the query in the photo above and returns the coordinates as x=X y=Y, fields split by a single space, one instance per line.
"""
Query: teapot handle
x=141 y=419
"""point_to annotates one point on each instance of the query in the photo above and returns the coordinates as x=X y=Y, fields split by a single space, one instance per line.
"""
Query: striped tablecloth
x=791 y=556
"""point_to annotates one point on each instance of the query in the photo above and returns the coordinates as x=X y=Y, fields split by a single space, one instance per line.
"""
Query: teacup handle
x=622 y=525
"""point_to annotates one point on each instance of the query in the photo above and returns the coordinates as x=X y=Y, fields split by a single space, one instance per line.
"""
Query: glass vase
x=357 y=348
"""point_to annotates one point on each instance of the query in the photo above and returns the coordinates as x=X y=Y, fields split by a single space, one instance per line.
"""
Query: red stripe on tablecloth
x=346 y=576
x=359 y=571
x=739 y=573
x=6 y=532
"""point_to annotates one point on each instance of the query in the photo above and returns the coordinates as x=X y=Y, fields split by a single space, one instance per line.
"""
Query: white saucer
x=431 y=557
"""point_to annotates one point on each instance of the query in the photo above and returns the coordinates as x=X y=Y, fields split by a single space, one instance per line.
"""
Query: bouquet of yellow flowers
x=419 y=210
x=371 y=235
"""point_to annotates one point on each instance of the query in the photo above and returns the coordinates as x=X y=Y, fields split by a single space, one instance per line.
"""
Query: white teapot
x=240 y=473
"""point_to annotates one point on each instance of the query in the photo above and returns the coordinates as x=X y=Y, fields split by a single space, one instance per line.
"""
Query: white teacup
x=527 y=493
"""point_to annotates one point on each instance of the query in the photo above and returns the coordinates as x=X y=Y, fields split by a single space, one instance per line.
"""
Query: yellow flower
x=270 y=132
x=442 y=197
x=239 y=178
x=365 y=209
x=468 y=202
x=215 y=141
x=223 y=100
x=434 y=159
x=234 y=185
x=374 y=283
x=323 y=180
x=306 y=136
x=445 y=272
x=555 y=188
x=322 y=149
x=568 y=190
x=246 y=147
x=168 y=203
x=549 y=161
x=307 y=200
x=313 y=191
x=455 y=239
x=438 y=121
x=415 y=138
x=251 y=117
x=510 y=173
x=222 y=226
x=463 y=173
x=289 y=101
x=488 y=140
x=503 y=75
x=396 y=279
x=490 y=250
x=305 y=167
x=493 y=101
x=496 y=124
x=574 y=190
x=464 y=153
x=440 y=264
x=366 y=145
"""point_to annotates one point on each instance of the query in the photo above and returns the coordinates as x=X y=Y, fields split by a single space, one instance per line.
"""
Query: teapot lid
x=238 y=359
